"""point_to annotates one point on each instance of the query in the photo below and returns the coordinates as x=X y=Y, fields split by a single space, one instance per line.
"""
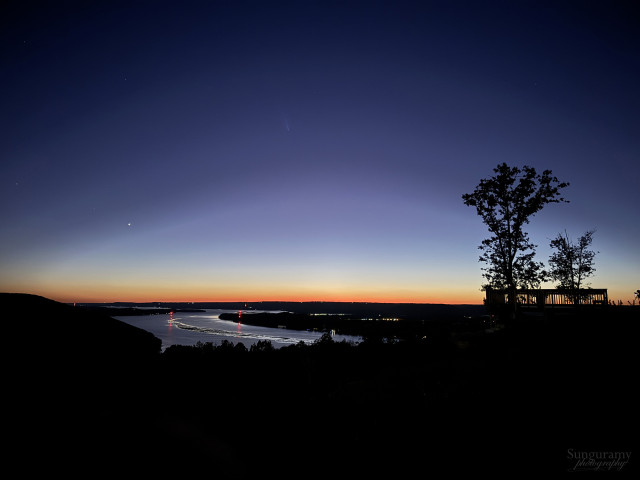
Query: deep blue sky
x=305 y=150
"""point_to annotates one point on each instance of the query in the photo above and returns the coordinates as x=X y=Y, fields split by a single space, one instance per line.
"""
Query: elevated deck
x=542 y=298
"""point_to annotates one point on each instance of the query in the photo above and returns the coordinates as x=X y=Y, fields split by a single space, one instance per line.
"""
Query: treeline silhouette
x=376 y=327
x=456 y=400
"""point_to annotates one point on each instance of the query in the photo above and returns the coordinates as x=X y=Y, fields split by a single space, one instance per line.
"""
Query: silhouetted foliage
x=422 y=402
x=262 y=346
x=506 y=202
x=325 y=339
x=571 y=264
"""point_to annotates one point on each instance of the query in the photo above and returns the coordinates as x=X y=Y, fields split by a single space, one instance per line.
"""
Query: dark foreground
x=103 y=400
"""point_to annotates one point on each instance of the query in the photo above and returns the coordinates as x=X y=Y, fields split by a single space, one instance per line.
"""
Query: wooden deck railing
x=548 y=297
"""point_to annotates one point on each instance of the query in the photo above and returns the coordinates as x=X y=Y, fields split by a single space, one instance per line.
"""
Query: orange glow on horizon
x=185 y=294
x=254 y=297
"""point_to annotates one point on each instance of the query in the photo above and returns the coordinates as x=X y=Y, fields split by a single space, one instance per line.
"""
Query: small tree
x=262 y=346
x=506 y=202
x=571 y=264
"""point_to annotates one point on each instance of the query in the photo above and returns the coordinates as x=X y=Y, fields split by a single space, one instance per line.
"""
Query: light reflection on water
x=188 y=328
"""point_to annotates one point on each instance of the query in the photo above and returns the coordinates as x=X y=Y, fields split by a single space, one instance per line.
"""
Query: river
x=188 y=328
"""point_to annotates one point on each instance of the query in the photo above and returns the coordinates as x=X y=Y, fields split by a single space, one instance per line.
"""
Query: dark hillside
x=72 y=383
x=73 y=330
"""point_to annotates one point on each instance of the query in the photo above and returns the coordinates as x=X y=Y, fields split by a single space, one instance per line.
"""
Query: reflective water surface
x=188 y=328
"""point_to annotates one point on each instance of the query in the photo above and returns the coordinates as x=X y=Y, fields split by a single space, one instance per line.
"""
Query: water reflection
x=188 y=328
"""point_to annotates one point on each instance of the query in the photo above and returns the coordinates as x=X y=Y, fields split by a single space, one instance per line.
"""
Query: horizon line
x=286 y=301
x=68 y=299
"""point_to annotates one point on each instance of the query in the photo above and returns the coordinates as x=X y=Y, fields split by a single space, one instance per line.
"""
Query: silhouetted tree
x=325 y=339
x=571 y=264
x=637 y=294
x=506 y=202
x=262 y=346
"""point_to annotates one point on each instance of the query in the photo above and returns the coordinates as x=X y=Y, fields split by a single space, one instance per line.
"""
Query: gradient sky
x=161 y=151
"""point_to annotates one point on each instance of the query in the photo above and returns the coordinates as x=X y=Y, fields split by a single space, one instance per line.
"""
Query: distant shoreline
x=362 y=309
x=135 y=311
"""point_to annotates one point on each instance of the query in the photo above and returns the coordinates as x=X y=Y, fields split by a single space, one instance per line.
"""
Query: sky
x=299 y=151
